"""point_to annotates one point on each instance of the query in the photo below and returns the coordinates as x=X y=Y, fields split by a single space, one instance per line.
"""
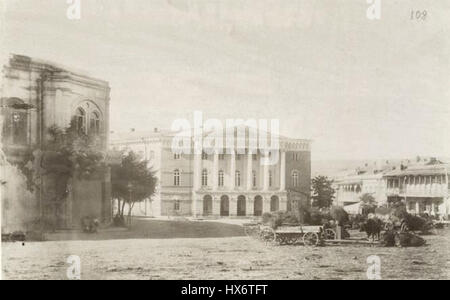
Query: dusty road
x=222 y=258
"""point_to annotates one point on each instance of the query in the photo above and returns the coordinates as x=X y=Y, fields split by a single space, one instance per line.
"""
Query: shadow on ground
x=155 y=229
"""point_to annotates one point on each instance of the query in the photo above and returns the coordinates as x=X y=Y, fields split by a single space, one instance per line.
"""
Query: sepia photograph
x=218 y=141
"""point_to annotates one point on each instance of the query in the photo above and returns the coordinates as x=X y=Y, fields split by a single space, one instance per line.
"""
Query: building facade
x=36 y=95
x=425 y=189
x=232 y=184
x=422 y=184
x=350 y=189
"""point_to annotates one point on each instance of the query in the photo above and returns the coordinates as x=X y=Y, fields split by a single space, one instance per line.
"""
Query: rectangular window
x=176 y=205
x=204 y=156
x=221 y=178
x=205 y=178
x=19 y=133
x=270 y=178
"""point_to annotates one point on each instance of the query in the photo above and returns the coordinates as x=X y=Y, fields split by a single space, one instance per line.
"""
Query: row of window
x=439 y=179
x=205 y=156
x=237 y=178
x=16 y=122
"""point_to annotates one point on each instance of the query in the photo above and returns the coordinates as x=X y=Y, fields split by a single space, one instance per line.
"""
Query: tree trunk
x=118 y=208
x=123 y=208
x=130 y=209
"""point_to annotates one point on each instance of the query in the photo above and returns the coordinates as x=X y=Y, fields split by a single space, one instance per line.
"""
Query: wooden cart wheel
x=329 y=234
x=268 y=235
x=311 y=239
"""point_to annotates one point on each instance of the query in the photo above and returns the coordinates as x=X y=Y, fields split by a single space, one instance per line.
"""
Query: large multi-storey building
x=424 y=188
x=35 y=95
x=234 y=183
x=422 y=184
x=350 y=189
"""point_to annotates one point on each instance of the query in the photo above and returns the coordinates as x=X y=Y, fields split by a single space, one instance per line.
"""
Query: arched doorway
x=258 y=206
x=274 y=203
x=224 y=206
x=207 y=205
x=241 y=206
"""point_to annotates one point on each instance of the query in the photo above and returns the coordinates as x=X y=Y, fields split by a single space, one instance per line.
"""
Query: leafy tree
x=340 y=215
x=132 y=182
x=65 y=154
x=368 y=199
x=368 y=204
x=323 y=192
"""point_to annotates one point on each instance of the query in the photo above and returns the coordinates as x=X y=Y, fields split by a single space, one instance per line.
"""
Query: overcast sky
x=359 y=89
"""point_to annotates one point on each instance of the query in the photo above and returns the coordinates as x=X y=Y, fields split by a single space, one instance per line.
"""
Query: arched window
x=94 y=127
x=204 y=177
x=80 y=120
x=237 y=179
x=221 y=178
x=176 y=177
x=295 y=178
x=254 y=178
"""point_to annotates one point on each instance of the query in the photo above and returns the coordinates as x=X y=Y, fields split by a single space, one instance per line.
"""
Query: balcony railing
x=428 y=190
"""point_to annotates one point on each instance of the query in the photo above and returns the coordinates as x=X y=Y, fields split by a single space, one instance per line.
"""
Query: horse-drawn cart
x=289 y=234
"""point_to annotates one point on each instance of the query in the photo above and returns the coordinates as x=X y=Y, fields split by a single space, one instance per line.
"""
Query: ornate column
x=215 y=171
x=265 y=175
x=282 y=170
x=216 y=206
x=233 y=205
x=249 y=206
x=266 y=204
x=249 y=170
x=232 y=170
x=195 y=181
